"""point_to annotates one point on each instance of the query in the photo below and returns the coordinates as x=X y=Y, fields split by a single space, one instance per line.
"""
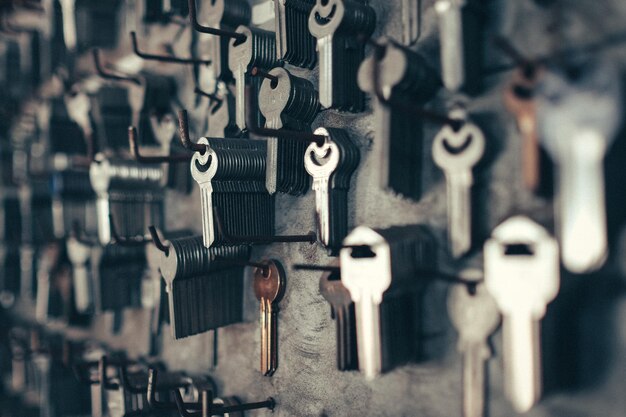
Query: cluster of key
x=104 y=144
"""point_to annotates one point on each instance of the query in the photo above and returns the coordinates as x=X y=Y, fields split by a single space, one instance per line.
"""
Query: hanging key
x=519 y=98
x=456 y=153
x=342 y=310
x=475 y=317
x=294 y=43
x=522 y=275
x=269 y=288
x=253 y=48
x=450 y=13
x=394 y=75
x=289 y=102
x=336 y=25
x=331 y=166
x=79 y=254
x=577 y=136
x=382 y=269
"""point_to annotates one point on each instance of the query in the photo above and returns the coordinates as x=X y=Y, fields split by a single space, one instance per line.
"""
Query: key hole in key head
x=320 y=161
x=204 y=168
x=325 y=20
x=455 y=150
x=523 y=93
x=360 y=252
x=519 y=249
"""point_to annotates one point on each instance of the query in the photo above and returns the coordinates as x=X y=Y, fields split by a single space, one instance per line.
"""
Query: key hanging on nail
x=269 y=288
x=221 y=113
x=331 y=166
x=342 y=310
x=211 y=275
x=231 y=176
x=337 y=24
x=450 y=13
x=519 y=98
x=577 y=136
x=294 y=43
x=382 y=269
x=475 y=317
x=456 y=152
x=522 y=275
x=289 y=102
x=394 y=74
x=254 y=48
x=217 y=16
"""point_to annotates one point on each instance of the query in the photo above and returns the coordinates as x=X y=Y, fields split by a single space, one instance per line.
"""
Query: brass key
x=269 y=288
x=519 y=100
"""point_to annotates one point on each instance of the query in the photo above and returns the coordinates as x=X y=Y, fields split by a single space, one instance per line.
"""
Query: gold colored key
x=269 y=288
x=520 y=101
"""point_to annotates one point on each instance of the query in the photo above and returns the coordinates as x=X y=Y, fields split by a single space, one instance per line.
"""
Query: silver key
x=522 y=275
x=239 y=58
x=203 y=178
x=69 y=23
x=367 y=279
x=456 y=153
x=79 y=254
x=321 y=162
x=411 y=21
x=451 y=39
x=475 y=317
x=577 y=136
x=100 y=177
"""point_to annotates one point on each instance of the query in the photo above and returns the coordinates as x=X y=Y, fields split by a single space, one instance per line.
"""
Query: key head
x=240 y=52
x=519 y=94
x=275 y=95
x=78 y=108
x=269 y=284
x=474 y=316
x=366 y=264
x=100 y=174
x=204 y=165
x=522 y=267
x=322 y=161
x=442 y=6
x=563 y=108
x=326 y=17
x=333 y=290
x=458 y=151
x=77 y=252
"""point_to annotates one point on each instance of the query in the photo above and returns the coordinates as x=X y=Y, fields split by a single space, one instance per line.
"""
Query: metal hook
x=212 y=97
x=319 y=140
x=162 y=58
x=258 y=72
x=126 y=384
x=107 y=75
x=210 y=409
x=183 y=407
x=183 y=128
x=303 y=267
x=125 y=241
x=137 y=156
x=151 y=393
x=157 y=240
x=239 y=37
x=403 y=106
x=238 y=262
x=310 y=237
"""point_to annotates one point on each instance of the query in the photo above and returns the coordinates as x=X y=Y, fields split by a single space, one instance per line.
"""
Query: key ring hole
x=321 y=161
x=519 y=249
x=457 y=150
x=361 y=252
x=522 y=92
x=204 y=168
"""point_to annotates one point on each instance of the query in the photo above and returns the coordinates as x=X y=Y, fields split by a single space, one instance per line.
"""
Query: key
x=367 y=280
x=257 y=50
x=451 y=39
x=522 y=275
x=294 y=43
x=519 y=98
x=269 y=288
x=402 y=75
x=342 y=310
x=411 y=21
x=475 y=318
x=456 y=153
x=577 y=136
x=335 y=24
x=331 y=166
x=69 y=23
x=79 y=254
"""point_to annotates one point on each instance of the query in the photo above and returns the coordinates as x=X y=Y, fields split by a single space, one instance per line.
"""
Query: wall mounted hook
x=163 y=58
